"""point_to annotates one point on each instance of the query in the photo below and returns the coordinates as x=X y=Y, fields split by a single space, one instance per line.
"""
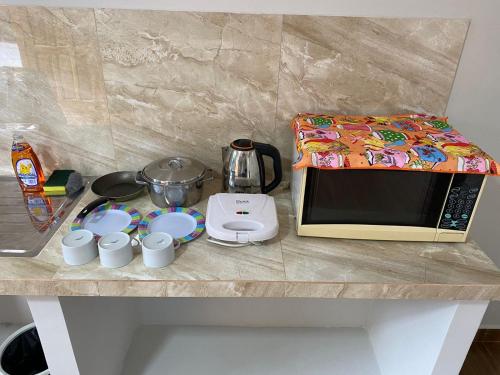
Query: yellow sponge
x=56 y=184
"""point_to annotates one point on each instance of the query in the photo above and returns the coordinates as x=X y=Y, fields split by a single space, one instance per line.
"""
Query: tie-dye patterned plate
x=183 y=224
x=109 y=217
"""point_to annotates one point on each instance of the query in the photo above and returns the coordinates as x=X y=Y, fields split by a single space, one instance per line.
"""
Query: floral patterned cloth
x=405 y=142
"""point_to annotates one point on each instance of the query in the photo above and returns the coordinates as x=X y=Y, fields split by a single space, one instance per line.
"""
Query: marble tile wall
x=104 y=89
x=53 y=84
x=366 y=65
x=187 y=83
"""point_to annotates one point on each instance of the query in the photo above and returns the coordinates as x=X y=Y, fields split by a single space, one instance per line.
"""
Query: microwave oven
x=385 y=204
x=409 y=177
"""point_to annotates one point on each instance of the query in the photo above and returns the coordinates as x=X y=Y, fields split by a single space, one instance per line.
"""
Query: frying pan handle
x=89 y=207
x=139 y=179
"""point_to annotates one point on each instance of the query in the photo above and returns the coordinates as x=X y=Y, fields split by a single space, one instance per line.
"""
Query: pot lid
x=174 y=170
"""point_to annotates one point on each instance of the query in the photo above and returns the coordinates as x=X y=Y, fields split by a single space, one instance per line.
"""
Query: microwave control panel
x=461 y=200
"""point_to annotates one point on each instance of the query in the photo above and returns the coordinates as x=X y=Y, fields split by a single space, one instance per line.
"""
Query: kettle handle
x=272 y=152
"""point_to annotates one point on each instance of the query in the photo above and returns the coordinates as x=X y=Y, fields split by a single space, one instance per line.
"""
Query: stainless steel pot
x=174 y=181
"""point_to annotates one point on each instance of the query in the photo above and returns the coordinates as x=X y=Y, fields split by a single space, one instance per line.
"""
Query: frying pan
x=116 y=186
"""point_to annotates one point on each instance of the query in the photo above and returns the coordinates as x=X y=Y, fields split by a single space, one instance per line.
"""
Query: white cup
x=115 y=250
x=79 y=247
x=158 y=249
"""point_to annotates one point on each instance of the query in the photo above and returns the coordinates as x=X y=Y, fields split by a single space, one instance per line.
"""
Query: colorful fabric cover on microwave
x=402 y=142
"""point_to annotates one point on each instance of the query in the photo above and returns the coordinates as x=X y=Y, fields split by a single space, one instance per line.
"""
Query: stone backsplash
x=102 y=89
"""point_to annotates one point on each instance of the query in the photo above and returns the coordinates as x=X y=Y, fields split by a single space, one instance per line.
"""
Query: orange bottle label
x=27 y=172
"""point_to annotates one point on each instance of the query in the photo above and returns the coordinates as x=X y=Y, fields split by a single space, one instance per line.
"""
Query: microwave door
x=374 y=197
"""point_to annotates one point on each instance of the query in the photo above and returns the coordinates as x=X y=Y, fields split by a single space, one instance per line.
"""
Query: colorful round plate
x=184 y=224
x=109 y=217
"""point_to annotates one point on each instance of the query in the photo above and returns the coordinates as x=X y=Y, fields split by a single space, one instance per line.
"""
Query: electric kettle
x=243 y=167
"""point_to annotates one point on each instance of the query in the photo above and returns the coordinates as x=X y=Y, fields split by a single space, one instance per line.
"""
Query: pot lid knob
x=175 y=164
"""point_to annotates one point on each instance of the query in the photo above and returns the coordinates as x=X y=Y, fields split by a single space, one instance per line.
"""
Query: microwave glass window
x=374 y=197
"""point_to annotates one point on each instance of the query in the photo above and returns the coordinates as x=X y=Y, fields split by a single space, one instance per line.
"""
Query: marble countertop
x=287 y=266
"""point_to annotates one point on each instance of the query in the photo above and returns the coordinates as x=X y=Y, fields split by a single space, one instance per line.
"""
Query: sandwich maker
x=236 y=220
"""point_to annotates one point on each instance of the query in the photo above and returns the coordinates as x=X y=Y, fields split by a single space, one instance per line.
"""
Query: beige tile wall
x=57 y=89
x=115 y=89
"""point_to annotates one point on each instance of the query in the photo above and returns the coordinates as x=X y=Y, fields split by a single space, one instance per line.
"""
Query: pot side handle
x=209 y=175
x=139 y=179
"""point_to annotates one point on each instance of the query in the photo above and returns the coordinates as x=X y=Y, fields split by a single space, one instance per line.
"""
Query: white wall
x=475 y=98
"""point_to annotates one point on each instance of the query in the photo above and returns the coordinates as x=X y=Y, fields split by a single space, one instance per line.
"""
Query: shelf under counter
x=250 y=351
x=144 y=336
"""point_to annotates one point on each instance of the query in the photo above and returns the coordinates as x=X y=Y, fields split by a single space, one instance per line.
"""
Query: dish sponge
x=56 y=184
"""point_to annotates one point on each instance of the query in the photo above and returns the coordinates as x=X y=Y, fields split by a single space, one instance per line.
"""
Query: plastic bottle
x=26 y=165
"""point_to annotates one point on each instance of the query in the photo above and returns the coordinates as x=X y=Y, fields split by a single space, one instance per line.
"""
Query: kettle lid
x=174 y=170
x=242 y=145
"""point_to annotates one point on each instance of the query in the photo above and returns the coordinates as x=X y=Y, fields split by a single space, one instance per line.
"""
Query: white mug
x=158 y=249
x=79 y=247
x=115 y=250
